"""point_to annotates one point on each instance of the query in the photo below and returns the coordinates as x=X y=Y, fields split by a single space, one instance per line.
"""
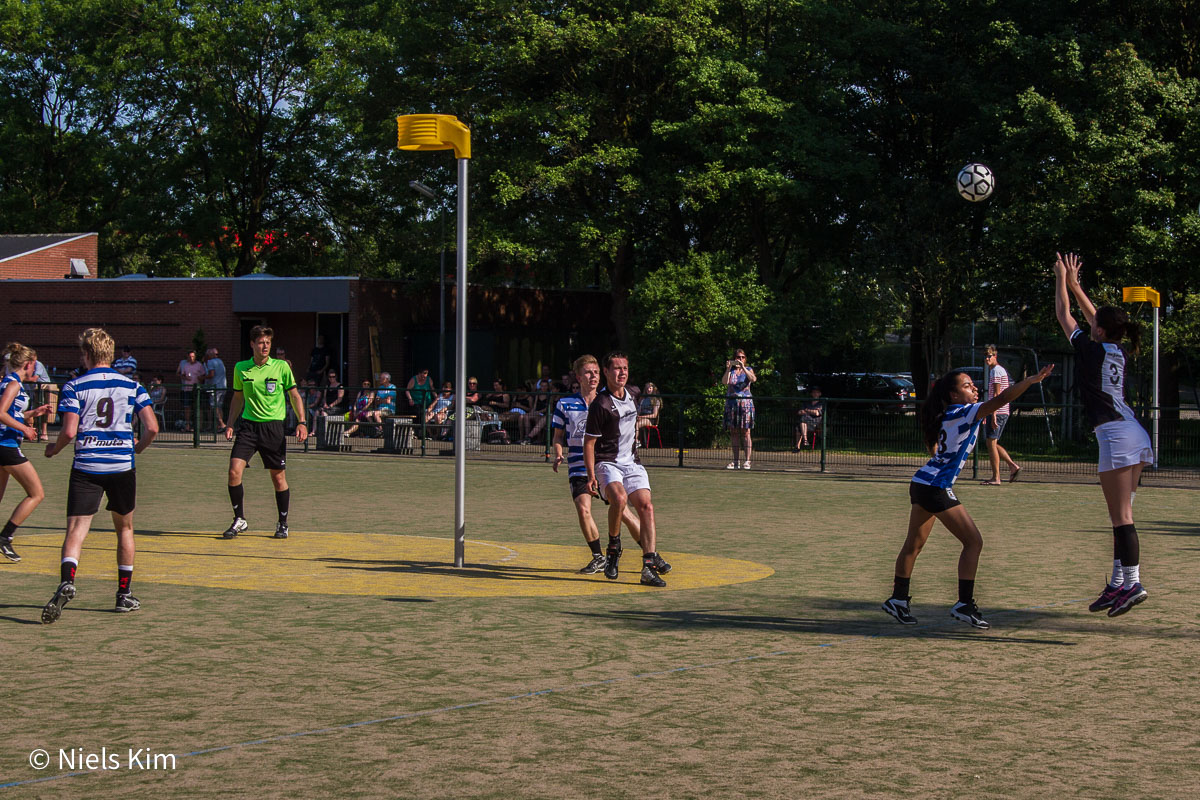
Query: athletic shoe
x=53 y=610
x=126 y=603
x=6 y=550
x=661 y=566
x=595 y=565
x=650 y=577
x=745 y=465
x=237 y=526
x=970 y=614
x=1127 y=599
x=611 y=564
x=1106 y=598
x=899 y=609
x=732 y=465
x=281 y=531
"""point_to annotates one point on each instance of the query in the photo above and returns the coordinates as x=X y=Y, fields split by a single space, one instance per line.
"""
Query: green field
x=547 y=685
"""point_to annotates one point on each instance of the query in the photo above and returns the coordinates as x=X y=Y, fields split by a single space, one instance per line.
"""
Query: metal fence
x=859 y=437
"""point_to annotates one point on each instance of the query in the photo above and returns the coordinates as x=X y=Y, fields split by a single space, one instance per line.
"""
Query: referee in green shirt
x=256 y=415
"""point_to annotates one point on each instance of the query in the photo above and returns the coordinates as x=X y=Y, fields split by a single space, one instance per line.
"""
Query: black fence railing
x=848 y=436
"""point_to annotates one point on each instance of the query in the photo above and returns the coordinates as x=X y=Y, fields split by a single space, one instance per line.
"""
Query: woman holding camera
x=739 y=408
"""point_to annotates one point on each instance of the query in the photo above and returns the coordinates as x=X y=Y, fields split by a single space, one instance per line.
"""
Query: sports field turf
x=353 y=660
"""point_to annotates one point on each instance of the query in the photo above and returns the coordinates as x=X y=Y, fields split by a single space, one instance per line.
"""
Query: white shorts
x=631 y=476
x=1123 y=443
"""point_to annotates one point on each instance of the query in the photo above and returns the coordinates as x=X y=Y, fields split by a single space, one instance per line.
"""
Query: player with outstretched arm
x=1125 y=447
x=950 y=420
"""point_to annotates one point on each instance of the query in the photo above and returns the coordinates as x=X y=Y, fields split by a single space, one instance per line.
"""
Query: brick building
x=370 y=325
x=51 y=255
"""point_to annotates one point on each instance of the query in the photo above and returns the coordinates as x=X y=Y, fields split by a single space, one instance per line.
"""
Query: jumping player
x=97 y=410
x=15 y=415
x=1125 y=447
x=613 y=468
x=260 y=386
x=568 y=423
x=950 y=420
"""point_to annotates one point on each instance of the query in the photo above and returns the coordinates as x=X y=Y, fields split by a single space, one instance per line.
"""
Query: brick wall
x=53 y=262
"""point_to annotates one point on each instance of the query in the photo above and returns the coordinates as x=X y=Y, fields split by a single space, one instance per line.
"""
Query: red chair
x=646 y=430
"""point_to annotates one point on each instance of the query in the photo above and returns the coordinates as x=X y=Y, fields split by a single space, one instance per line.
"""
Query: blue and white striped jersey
x=570 y=414
x=960 y=428
x=105 y=401
x=12 y=437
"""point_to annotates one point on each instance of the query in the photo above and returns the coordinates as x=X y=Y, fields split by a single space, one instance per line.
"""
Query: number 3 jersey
x=960 y=428
x=106 y=402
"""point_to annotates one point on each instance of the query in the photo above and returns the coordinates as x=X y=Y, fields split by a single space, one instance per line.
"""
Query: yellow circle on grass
x=376 y=564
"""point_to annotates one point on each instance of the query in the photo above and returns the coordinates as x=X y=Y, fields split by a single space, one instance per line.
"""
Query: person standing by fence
x=997 y=382
x=739 y=408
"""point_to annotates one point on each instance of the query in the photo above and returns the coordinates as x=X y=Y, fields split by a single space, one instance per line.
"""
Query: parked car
x=863 y=386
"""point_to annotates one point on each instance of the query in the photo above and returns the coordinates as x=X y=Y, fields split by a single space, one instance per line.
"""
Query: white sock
x=1131 y=575
x=1118 y=574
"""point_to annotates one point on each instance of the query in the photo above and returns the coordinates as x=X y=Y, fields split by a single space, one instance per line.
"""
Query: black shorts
x=186 y=395
x=265 y=438
x=933 y=499
x=85 y=489
x=579 y=486
x=12 y=456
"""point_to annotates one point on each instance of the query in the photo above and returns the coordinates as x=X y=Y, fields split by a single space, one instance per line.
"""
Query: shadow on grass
x=38 y=620
x=831 y=626
x=1169 y=528
x=490 y=571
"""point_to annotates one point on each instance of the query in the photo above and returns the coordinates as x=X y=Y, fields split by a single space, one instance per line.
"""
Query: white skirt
x=1123 y=443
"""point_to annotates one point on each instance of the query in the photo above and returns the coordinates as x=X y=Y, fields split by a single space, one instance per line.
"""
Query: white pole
x=1154 y=418
x=460 y=364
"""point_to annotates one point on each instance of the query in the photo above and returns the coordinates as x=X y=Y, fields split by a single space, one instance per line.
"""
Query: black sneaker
x=650 y=577
x=127 y=603
x=281 y=531
x=610 y=564
x=970 y=614
x=1127 y=598
x=898 y=608
x=660 y=566
x=6 y=550
x=1106 y=598
x=53 y=610
x=237 y=526
x=597 y=564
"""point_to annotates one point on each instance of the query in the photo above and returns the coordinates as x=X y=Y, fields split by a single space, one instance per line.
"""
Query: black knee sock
x=648 y=558
x=595 y=547
x=66 y=571
x=966 y=590
x=9 y=529
x=124 y=578
x=282 y=501
x=236 y=496
x=614 y=543
x=900 y=587
x=1125 y=542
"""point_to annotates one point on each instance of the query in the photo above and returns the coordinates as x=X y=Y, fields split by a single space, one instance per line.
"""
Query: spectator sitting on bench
x=364 y=410
x=441 y=410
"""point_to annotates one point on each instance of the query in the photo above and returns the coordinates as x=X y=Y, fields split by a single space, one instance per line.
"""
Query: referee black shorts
x=85 y=489
x=265 y=438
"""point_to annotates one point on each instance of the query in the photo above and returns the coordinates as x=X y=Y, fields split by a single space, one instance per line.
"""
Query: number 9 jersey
x=106 y=402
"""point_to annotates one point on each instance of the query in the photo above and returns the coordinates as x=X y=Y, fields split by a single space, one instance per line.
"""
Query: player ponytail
x=935 y=406
x=1117 y=326
x=18 y=355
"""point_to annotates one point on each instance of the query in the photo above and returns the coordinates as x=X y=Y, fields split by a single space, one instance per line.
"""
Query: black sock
x=282 y=501
x=66 y=571
x=900 y=587
x=648 y=558
x=236 y=496
x=614 y=543
x=1125 y=541
x=966 y=590
x=595 y=547
x=9 y=529
x=124 y=578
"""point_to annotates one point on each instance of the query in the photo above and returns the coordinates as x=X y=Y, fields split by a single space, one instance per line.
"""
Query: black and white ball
x=975 y=182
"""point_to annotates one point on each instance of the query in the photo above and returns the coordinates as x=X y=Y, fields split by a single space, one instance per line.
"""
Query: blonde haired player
x=15 y=415
x=97 y=411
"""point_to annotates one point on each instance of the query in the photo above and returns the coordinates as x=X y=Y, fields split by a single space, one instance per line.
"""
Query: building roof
x=22 y=244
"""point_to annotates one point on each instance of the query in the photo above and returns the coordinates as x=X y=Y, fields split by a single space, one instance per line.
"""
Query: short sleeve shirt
x=264 y=388
x=106 y=402
x=217 y=367
x=1101 y=379
x=614 y=423
x=192 y=373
